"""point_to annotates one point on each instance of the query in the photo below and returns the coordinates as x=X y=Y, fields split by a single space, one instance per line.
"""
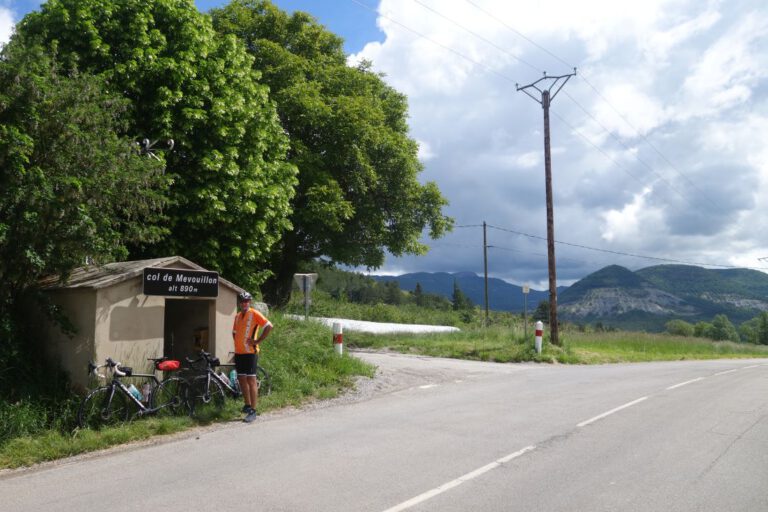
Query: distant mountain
x=648 y=298
x=502 y=296
x=618 y=297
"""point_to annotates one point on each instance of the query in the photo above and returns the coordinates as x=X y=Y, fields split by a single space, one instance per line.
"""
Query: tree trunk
x=276 y=290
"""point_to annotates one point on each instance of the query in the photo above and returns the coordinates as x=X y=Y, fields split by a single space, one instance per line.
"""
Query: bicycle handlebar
x=109 y=363
x=206 y=356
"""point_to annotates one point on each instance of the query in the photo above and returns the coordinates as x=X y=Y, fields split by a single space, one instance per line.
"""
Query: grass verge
x=500 y=344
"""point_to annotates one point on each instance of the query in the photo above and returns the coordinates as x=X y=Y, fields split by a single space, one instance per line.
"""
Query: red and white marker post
x=539 y=335
x=338 y=338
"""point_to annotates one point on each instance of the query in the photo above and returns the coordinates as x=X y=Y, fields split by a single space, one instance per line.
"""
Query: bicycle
x=114 y=403
x=207 y=391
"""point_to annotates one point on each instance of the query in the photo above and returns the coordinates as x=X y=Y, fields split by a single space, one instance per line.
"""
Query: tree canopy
x=229 y=200
x=358 y=193
x=71 y=188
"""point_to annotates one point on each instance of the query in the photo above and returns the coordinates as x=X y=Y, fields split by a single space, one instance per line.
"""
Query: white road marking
x=427 y=386
x=617 y=409
x=685 y=383
x=753 y=366
x=454 y=483
x=728 y=371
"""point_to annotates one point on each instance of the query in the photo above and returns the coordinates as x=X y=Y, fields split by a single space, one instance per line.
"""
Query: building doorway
x=187 y=327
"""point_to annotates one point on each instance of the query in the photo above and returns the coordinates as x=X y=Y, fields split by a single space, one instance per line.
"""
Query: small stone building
x=134 y=310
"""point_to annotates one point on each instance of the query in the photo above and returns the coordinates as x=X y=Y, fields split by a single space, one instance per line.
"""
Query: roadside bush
x=680 y=328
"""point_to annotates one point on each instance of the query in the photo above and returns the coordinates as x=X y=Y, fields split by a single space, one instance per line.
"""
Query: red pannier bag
x=168 y=365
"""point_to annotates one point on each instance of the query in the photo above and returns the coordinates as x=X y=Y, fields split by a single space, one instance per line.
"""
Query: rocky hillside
x=648 y=298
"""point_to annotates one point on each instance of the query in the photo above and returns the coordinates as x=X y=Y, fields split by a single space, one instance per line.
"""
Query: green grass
x=298 y=355
x=501 y=344
x=54 y=444
x=638 y=347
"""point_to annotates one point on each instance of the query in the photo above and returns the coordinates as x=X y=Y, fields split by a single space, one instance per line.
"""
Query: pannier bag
x=168 y=365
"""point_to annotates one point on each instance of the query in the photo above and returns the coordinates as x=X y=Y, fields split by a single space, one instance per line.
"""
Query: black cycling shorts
x=245 y=364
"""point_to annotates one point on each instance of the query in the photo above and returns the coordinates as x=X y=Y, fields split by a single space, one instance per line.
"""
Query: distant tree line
x=361 y=289
x=721 y=329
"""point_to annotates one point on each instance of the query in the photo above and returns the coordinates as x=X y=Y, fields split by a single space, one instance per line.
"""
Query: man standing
x=249 y=330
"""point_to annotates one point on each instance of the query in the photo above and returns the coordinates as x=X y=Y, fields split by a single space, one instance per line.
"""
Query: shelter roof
x=103 y=276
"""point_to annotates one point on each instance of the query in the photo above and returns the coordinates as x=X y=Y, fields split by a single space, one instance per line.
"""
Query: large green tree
x=358 y=193
x=232 y=186
x=71 y=188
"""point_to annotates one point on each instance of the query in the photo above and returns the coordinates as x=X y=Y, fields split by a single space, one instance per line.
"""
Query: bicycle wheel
x=169 y=397
x=265 y=382
x=103 y=407
x=205 y=397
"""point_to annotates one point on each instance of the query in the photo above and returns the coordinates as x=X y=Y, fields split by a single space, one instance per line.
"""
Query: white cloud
x=6 y=25
x=639 y=111
x=425 y=151
x=727 y=71
x=529 y=159
x=671 y=97
x=659 y=45
x=628 y=223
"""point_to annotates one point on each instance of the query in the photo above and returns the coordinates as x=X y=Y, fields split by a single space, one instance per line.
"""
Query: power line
x=618 y=140
x=448 y=48
x=603 y=152
x=597 y=249
x=655 y=258
x=505 y=249
x=577 y=103
x=487 y=41
x=596 y=91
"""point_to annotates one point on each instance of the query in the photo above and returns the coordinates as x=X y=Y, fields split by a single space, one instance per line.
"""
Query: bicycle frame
x=116 y=383
x=210 y=369
x=236 y=393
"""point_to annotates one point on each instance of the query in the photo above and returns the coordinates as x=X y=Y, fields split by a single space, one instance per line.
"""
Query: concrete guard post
x=539 y=334
x=338 y=338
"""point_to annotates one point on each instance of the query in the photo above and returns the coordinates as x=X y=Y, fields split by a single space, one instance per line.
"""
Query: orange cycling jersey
x=245 y=329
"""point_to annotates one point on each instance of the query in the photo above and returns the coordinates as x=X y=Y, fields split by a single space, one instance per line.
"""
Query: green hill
x=648 y=298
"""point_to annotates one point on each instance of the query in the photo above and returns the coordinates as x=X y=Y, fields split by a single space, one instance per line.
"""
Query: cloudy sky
x=658 y=143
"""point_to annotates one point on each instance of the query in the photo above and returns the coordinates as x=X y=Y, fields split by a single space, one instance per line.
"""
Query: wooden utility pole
x=485 y=265
x=557 y=83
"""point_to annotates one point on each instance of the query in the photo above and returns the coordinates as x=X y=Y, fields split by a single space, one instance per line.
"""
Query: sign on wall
x=173 y=282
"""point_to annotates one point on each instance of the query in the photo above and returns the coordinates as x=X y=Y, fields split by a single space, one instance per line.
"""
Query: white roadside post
x=539 y=334
x=338 y=338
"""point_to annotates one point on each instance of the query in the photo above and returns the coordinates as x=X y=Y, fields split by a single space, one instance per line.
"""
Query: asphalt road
x=445 y=435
